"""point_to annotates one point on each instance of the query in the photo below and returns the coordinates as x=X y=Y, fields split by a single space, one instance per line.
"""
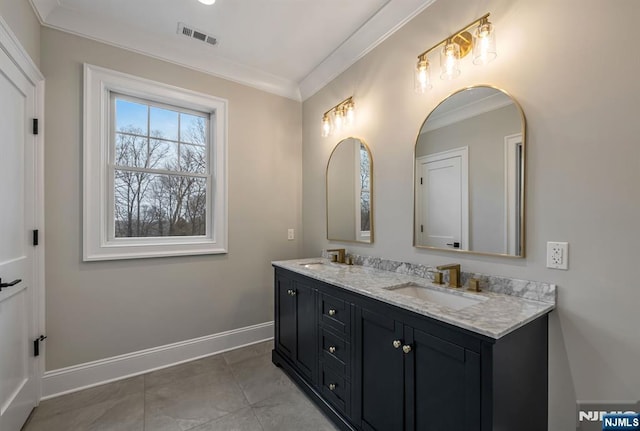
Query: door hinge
x=35 y=126
x=35 y=237
x=36 y=344
x=421 y=228
x=420 y=180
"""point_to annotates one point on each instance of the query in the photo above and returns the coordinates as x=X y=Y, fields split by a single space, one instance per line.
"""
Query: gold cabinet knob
x=332 y=349
x=397 y=344
x=406 y=348
x=332 y=386
x=332 y=312
x=292 y=292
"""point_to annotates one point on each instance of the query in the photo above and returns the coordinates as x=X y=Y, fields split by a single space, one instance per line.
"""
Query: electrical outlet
x=558 y=255
x=291 y=234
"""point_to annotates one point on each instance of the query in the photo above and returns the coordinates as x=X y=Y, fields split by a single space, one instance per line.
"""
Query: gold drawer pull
x=397 y=344
x=332 y=386
x=406 y=348
x=332 y=349
x=332 y=312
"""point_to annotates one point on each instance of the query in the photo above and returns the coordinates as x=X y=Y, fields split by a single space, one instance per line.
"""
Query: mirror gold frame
x=522 y=203
x=371 y=192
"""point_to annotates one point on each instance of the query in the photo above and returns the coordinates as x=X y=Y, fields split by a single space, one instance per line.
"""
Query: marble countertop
x=497 y=315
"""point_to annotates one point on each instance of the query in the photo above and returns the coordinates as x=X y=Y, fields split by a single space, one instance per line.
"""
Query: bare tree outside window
x=160 y=171
x=365 y=190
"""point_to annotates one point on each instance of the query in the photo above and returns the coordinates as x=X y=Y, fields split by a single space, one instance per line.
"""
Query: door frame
x=10 y=44
x=463 y=153
x=513 y=193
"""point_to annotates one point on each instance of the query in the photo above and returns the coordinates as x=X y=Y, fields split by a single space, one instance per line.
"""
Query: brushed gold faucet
x=340 y=254
x=454 y=273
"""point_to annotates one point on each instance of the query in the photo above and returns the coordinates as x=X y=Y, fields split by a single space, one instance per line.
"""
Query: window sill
x=145 y=251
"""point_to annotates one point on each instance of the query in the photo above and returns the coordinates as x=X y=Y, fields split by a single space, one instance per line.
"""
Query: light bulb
x=423 y=75
x=207 y=2
x=326 y=126
x=449 y=60
x=484 y=43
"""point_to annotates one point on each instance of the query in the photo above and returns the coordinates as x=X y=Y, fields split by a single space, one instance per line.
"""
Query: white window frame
x=99 y=83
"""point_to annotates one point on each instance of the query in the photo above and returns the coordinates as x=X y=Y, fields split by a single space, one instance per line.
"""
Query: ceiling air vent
x=192 y=33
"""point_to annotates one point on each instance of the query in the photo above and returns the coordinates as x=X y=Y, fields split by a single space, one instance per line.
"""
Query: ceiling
x=287 y=47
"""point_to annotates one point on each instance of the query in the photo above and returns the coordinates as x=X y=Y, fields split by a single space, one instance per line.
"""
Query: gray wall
x=484 y=135
x=583 y=169
x=25 y=25
x=101 y=309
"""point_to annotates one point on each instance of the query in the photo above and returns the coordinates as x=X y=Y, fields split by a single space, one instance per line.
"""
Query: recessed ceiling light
x=207 y=2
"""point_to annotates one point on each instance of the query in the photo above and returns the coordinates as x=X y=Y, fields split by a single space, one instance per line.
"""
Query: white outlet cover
x=291 y=234
x=558 y=255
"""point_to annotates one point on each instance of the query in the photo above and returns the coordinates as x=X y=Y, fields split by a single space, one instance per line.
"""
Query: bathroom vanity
x=374 y=353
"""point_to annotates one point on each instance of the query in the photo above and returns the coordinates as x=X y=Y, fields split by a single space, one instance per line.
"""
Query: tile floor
x=240 y=390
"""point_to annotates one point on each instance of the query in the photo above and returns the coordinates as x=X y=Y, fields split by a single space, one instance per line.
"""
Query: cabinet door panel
x=285 y=317
x=382 y=373
x=306 y=342
x=443 y=385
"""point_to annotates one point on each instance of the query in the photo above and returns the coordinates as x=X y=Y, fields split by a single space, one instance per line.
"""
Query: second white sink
x=450 y=300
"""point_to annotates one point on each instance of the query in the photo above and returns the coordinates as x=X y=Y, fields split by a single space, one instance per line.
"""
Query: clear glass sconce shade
x=326 y=126
x=338 y=119
x=450 y=60
x=422 y=76
x=484 y=43
x=350 y=114
x=207 y=2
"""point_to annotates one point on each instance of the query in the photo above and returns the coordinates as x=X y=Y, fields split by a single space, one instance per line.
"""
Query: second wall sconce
x=482 y=45
x=341 y=115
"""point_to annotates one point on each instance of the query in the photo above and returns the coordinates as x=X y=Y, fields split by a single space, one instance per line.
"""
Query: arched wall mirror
x=350 y=192
x=470 y=175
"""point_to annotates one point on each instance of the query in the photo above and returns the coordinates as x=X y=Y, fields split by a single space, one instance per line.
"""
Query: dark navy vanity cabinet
x=373 y=366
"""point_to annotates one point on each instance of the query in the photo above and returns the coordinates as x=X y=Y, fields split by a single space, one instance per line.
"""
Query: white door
x=18 y=385
x=442 y=200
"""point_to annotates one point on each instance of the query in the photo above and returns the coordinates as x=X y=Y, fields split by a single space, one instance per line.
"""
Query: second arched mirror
x=470 y=175
x=350 y=192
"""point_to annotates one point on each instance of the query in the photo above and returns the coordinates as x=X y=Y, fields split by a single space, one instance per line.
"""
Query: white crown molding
x=77 y=377
x=389 y=19
x=478 y=107
x=43 y=8
x=392 y=16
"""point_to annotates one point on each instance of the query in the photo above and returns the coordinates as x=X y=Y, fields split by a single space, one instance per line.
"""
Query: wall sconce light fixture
x=338 y=117
x=482 y=44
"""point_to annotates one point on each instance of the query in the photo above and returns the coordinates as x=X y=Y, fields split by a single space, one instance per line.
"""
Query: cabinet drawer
x=335 y=352
x=336 y=389
x=336 y=313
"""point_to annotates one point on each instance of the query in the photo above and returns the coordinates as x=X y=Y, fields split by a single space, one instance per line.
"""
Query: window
x=363 y=194
x=154 y=169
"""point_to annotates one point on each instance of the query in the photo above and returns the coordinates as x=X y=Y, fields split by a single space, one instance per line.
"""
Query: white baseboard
x=83 y=376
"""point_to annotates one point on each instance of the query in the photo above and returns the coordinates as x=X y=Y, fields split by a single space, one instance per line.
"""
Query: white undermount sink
x=316 y=265
x=449 y=300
